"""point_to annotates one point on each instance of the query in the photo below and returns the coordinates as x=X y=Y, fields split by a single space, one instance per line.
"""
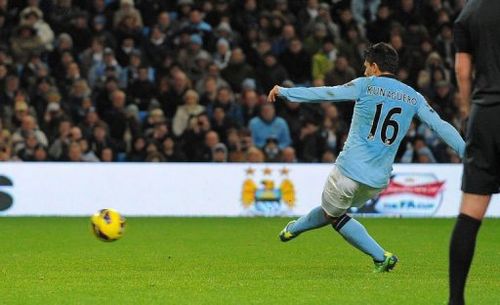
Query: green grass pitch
x=233 y=261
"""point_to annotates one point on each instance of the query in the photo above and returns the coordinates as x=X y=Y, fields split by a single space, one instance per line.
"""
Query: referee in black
x=477 y=41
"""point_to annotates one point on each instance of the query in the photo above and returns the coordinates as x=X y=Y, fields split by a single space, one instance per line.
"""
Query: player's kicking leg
x=339 y=194
x=357 y=235
x=350 y=229
x=316 y=218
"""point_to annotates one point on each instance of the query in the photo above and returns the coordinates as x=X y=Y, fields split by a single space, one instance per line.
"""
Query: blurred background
x=180 y=81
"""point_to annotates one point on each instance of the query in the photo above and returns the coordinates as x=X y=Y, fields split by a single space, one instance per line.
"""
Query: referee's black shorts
x=482 y=153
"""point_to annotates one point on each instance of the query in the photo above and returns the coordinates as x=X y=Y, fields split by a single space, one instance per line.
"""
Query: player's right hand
x=273 y=94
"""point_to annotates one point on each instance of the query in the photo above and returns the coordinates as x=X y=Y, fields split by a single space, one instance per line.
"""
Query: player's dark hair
x=384 y=56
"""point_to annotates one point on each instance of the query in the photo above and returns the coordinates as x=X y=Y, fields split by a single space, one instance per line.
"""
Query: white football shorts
x=341 y=192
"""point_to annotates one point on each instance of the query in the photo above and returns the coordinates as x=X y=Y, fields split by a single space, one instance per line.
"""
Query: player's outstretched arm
x=347 y=92
x=444 y=130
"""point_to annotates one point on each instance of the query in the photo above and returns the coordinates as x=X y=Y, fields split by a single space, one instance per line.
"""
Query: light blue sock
x=315 y=219
x=356 y=234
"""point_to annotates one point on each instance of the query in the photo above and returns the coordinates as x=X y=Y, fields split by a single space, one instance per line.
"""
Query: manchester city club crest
x=268 y=192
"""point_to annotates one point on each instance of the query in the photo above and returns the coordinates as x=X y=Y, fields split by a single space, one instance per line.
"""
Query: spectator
x=80 y=31
x=330 y=135
x=294 y=114
x=209 y=94
x=288 y=155
x=206 y=153
x=237 y=70
x=87 y=154
x=212 y=72
x=100 y=30
x=444 y=44
x=283 y=8
x=6 y=153
x=268 y=125
x=283 y=41
x=197 y=25
x=100 y=138
x=155 y=156
x=158 y=132
x=40 y=154
x=309 y=147
x=328 y=157
x=116 y=118
x=418 y=152
x=170 y=151
x=90 y=121
x=64 y=44
x=219 y=153
x=107 y=155
x=193 y=137
x=309 y=13
x=255 y=155
x=221 y=123
x=28 y=125
x=271 y=72
x=315 y=42
x=222 y=54
x=33 y=17
x=342 y=73
x=190 y=108
x=297 y=62
x=225 y=100
x=74 y=153
x=271 y=150
x=138 y=151
x=98 y=72
x=360 y=7
x=27 y=153
x=379 y=30
x=322 y=61
x=246 y=16
x=127 y=9
x=175 y=96
x=92 y=55
x=25 y=43
x=235 y=146
x=351 y=47
x=59 y=147
x=142 y=89
x=250 y=105
x=157 y=45
x=407 y=12
x=221 y=11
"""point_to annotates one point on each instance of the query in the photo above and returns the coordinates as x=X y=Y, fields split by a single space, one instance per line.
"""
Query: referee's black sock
x=463 y=242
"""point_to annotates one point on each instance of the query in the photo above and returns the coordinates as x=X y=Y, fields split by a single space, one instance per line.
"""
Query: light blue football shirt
x=383 y=113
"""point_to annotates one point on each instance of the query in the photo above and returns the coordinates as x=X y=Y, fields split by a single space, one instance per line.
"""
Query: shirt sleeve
x=347 y=92
x=444 y=130
x=461 y=35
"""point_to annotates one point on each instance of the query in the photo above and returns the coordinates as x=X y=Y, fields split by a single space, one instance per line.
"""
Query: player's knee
x=339 y=222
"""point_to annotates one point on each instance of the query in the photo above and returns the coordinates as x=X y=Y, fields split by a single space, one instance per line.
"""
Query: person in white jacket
x=34 y=17
x=189 y=109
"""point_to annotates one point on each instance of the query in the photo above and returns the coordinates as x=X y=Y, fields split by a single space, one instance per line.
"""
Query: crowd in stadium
x=186 y=80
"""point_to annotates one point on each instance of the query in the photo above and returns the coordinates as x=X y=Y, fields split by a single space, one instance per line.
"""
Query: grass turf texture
x=233 y=261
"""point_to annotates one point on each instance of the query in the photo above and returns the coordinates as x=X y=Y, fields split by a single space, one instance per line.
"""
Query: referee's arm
x=463 y=72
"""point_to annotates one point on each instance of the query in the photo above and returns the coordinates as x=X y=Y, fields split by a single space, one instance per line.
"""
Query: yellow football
x=108 y=225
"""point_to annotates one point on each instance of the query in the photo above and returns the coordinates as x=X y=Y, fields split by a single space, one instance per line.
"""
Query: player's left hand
x=273 y=94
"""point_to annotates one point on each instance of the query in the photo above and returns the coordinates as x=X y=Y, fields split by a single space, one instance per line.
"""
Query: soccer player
x=477 y=41
x=383 y=113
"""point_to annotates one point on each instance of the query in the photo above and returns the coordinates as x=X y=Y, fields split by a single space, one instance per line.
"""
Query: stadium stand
x=174 y=81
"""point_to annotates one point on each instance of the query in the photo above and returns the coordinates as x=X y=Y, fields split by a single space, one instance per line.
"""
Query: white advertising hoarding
x=204 y=189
